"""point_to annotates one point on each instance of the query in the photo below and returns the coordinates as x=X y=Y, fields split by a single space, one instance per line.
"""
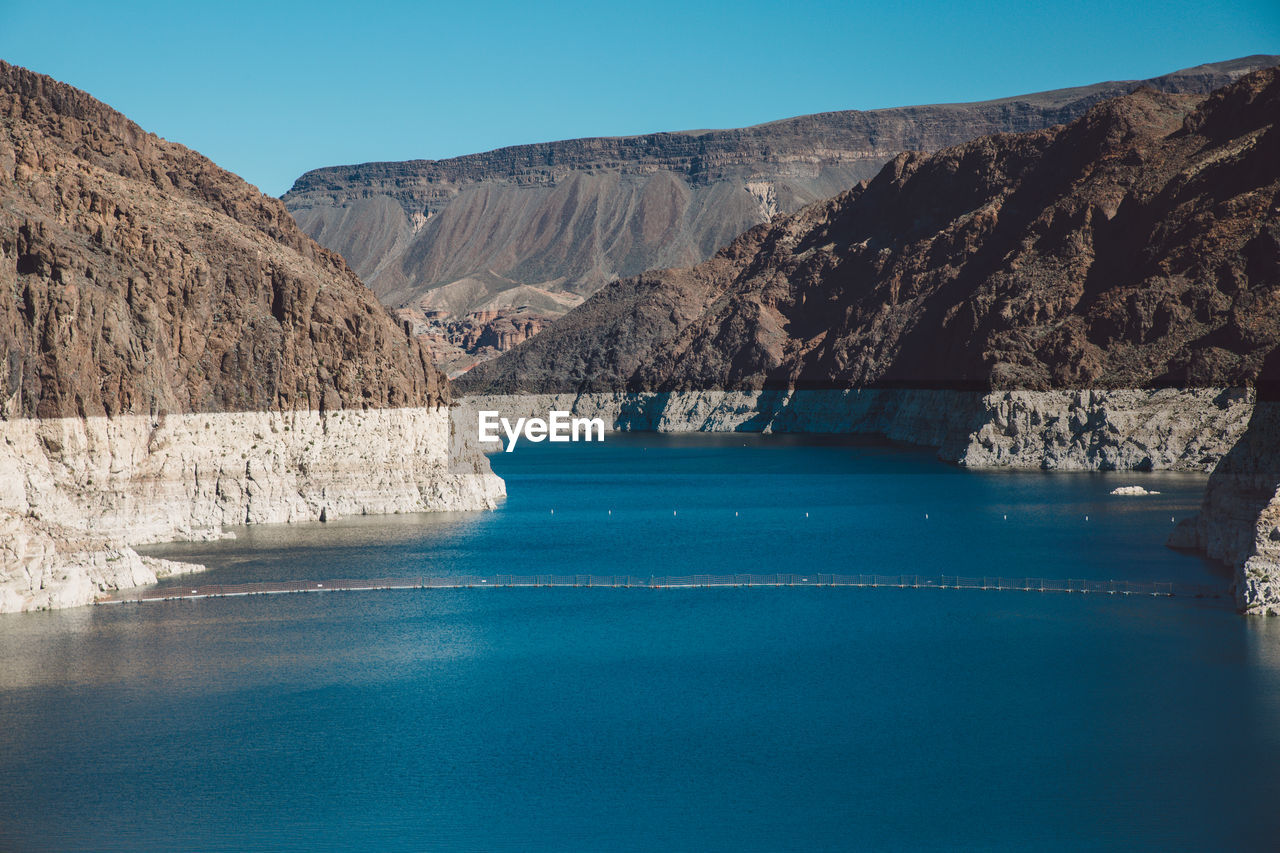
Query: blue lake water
x=641 y=719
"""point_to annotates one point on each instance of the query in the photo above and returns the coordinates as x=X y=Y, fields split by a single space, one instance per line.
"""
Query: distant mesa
x=543 y=226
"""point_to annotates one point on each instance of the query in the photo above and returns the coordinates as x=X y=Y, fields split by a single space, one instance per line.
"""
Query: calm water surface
x=713 y=719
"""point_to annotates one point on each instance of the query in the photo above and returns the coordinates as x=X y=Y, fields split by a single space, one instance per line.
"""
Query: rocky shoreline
x=1219 y=430
x=180 y=357
x=1102 y=430
x=77 y=493
x=1239 y=521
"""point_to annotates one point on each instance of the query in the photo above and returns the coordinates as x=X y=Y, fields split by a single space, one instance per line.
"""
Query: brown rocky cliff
x=1138 y=246
x=567 y=217
x=138 y=277
x=458 y=343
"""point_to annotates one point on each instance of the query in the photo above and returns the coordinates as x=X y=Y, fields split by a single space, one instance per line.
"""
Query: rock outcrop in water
x=178 y=355
x=537 y=227
x=1239 y=521
x=1086 y=296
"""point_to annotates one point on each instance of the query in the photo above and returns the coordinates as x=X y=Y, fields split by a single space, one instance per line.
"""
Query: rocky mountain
x=538 y=227
x=138 y=277
x=1104 y=294
x=1138 y=246
x=178 y=356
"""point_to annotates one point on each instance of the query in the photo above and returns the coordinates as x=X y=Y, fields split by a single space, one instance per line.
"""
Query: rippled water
x=636 y=719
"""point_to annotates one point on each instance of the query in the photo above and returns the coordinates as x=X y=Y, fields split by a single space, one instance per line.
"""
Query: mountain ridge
x=1075 y=256
x=445 y=240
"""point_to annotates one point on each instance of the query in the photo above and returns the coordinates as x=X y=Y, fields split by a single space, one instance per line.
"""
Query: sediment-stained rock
x=1098 y=430
x=1109 y=430
x=77 y=492
x=1239 y=521
x=176 y=355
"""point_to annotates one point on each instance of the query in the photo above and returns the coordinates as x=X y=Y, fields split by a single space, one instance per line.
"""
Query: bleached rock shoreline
x=1104 y=430
x=77 y=493
x=1239 y=521
x=1208 y=430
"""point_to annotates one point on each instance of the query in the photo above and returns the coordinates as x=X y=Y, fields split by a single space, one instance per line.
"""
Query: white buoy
x=735 y=515
x=1006 y=517
x=926 y=516
x=553 y=512
x=806 y=515
x=610 y=512
x=1086 y=518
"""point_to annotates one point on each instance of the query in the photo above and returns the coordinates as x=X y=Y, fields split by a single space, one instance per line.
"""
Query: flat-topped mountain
x=136 y=277
x=1137 y=246
x=539 y=227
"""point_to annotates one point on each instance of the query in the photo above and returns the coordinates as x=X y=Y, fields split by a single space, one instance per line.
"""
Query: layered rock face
x=1100 y=295
x=76 y=493
x=1101 y=430
x=178 y=355
x=540 y=226
x=1239 y=523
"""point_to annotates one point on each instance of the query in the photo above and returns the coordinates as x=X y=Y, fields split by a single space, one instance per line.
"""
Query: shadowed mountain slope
x=541 y=226
x=1137 y=246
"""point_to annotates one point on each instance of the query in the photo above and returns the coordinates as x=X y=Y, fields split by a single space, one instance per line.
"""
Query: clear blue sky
x=271 y=89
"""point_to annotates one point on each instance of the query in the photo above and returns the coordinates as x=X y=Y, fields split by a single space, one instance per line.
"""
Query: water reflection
x=188 y=647
x=1262 y=638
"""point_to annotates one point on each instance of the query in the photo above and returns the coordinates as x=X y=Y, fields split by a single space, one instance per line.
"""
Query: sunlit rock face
x=179 y=356
x=78 y=492
x=539 y=227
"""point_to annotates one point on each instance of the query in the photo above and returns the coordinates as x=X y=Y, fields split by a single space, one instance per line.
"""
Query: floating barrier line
x=1165 y=589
